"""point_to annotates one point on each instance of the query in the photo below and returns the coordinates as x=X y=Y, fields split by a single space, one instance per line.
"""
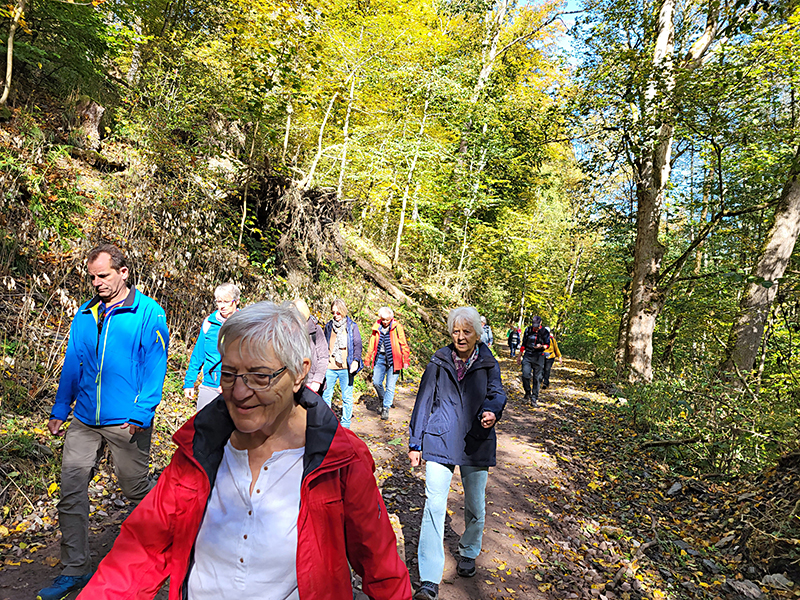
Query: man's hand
x=314 y=386
x=519 y=359
x=133 y=429
x=559 y=359
x=55 y=426
x=189 y=393
x=414 y=456
x=354 y=366
x=488 y=419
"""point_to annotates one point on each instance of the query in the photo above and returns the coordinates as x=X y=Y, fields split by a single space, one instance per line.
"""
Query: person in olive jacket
x=460 y=399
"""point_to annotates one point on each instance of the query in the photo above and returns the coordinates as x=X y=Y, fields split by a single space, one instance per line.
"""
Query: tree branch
x=676 y=266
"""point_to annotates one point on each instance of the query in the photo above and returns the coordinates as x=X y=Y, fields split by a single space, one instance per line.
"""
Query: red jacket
x=401 y=353
x=342 y=516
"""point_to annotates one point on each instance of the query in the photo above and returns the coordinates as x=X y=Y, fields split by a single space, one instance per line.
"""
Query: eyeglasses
x=258 y=382
x=218 y=301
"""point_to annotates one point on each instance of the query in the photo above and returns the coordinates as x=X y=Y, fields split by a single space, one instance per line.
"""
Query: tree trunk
x=494 y=25
x=346 y=135
x=622 y=332
x=132 y=77
x=19 y=10
x=652 y=168
x=247 y=183
x=305 y=183
x=652 y=173
x=755 y=305
x=410 y=178
x=289 y=111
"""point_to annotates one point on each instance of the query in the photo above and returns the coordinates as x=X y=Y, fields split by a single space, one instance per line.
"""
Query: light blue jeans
x=384 y=371
x=430 y=553
x=343 y=376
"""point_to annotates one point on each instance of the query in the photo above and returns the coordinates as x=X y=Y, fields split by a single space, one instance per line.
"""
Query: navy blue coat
x=355 y=347
x=445 y=423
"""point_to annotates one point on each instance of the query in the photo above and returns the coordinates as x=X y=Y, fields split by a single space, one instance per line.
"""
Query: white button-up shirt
x=246 y=548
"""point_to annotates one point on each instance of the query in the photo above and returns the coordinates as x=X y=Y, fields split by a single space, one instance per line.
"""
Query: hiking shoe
x=385 y=414
x=427 y=591
x=62 y=586
x=526 y=398
x=466 y=566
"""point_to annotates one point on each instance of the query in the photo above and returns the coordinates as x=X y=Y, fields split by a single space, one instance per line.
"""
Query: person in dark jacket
x=344 y=358
x=535 y=341
x=460 y=399
x=319 y=347
x=513 y=339
x=267 y=496
x=205 y=356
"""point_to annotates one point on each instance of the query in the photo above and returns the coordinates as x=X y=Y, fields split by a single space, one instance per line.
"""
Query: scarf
x=463 y=366
x=382 y=332
x=341 y=340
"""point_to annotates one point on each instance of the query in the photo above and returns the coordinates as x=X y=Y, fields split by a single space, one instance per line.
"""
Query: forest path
x=537 y=537
x=572 y=505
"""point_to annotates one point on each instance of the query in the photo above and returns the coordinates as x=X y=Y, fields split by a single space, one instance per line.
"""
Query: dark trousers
x=513 y=348
x=532 y=372
x=548 y=366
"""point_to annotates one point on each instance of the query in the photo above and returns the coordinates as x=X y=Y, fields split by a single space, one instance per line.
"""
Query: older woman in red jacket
x=388 y=350
x=267 y=496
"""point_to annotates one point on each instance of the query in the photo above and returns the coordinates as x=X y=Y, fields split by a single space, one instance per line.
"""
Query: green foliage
x=732 y=430
x=63 y=46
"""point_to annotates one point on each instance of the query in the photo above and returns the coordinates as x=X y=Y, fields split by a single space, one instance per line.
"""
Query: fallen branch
x=639 y=551
x=384 y=283
x=96 y=159
x=666 y=443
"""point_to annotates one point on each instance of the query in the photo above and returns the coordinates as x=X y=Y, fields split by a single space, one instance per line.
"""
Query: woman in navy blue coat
x=460 y=399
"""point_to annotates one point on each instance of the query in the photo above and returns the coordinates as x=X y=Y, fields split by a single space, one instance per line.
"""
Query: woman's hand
x=488 y=420
x=414 y=456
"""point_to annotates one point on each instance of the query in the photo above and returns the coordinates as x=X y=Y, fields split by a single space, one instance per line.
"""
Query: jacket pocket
x=437 y=426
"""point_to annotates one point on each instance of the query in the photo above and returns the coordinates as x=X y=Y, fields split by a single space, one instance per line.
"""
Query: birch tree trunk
x=132 y=76
x=346 y=135
x=494 y=25
x=407 y=188
x=19 y=10
x=755 y=305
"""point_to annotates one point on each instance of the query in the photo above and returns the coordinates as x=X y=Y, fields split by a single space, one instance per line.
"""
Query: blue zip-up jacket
x=355 y=347
x=206 y=354
x=446 y=421
x=115 y=376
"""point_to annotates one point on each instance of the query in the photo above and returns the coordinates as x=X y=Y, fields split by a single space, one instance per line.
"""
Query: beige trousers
x=83 y=449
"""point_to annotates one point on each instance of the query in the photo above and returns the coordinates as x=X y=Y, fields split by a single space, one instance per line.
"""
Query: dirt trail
x=528 y=496
x=539 y=542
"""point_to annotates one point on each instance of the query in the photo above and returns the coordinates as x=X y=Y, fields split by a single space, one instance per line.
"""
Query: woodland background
x=627 y=170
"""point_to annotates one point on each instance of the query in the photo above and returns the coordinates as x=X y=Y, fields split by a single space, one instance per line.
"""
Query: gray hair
x=228 y=289
x=483 y=320
x=464 y=314
x=384 y=312
x=265 y=324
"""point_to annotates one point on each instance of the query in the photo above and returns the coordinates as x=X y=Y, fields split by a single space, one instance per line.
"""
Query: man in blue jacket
x=113 y=376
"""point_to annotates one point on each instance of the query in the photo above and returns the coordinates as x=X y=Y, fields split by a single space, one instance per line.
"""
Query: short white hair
x=464 y=314
x=227 y=289
x=265 y=324
x=384 y=312
x=483 y=319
